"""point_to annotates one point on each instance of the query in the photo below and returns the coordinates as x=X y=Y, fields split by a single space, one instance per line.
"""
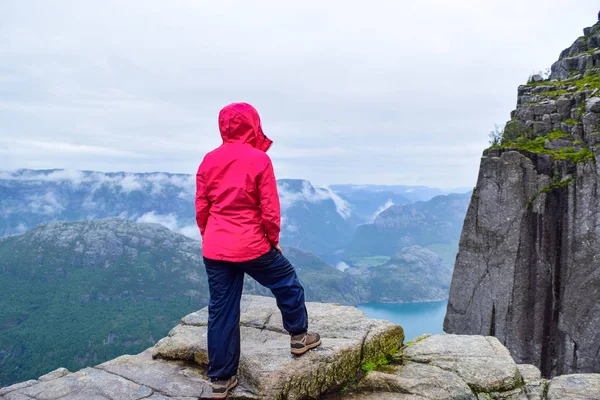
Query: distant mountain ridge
x=435 y=224
x=321 y=220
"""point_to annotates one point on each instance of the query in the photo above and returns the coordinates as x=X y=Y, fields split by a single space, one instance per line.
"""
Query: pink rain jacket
x=237 y=205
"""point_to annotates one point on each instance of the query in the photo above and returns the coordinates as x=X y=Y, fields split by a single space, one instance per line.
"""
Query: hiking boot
x=221 y=388
x=304 y=342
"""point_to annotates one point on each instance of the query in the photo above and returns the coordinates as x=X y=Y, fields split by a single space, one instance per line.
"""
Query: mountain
x=75 y=294
x=319 y=279
x=31 y=197
x=320 y=220
x=414 y=274
x=528 y=267
x=401 y=194
x=366 y=201
x=315 y=219
x=435 y=224
x=78 y=293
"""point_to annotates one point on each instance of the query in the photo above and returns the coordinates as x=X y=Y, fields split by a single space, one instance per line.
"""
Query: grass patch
x=553 y=93
x=557 y=185
x=537 y=146
x=571 y=121
x=570 y=154
x=591 y=82
x=373 y=365
x=417 y=340
x=582 y=53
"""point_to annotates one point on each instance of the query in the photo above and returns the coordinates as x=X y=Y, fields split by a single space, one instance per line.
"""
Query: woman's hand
x=278 y=248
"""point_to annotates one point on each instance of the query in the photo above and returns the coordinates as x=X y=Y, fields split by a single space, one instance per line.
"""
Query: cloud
x=307 y=193
x=46 y=204
x=287 y=228
x=341 y=205
x=153 y=183
x=129 y=183
x=160 y=181
x=381 y=209
x=289 y=196
x=342 y=266
x=21 y=228
x=385 y=92
x=170 y=221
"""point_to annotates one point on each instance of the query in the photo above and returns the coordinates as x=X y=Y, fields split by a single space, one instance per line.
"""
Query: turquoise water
x=415 y=318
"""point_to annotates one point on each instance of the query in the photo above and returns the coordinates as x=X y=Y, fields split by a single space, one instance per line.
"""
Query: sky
x=379 y=92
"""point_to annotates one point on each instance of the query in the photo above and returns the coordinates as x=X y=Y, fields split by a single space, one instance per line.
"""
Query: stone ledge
x=440 y=367
x=349 y=338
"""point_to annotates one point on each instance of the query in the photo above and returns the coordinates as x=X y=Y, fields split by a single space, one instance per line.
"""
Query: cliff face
x=528 y=267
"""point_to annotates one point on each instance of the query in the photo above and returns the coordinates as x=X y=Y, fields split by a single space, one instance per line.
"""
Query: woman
x=238 y=213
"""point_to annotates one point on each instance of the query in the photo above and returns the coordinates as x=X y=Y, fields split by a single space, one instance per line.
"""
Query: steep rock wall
x=528 y=268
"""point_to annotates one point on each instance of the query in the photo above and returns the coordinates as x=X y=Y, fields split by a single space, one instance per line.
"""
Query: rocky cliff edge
x=360 y=359
x=528 y=266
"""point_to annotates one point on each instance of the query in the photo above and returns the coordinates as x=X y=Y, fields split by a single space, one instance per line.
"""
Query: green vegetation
x=63 y=309
x=416 y=340
x=557 y=185
x=537 y=146
x=570 y=154
x=533 y=145
x=514 y=130
x=554 y=93
x=496 y=135
x=583 y=52
x=591 y=81
x=373 y=365
x=571 y=122
x=105 y=288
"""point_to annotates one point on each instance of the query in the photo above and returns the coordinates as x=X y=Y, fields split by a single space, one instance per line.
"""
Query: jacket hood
x=240 y=123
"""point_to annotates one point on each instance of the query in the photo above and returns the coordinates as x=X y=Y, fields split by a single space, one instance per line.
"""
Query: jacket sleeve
x=269 y=203
x=202 y=203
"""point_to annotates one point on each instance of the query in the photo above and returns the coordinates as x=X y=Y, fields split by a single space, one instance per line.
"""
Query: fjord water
x=415 y=318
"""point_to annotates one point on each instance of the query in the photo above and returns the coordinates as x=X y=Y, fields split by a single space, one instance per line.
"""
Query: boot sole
x=232 y=385
x=299 y=352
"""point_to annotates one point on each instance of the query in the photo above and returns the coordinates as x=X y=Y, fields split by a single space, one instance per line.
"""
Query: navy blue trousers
x=226 y=281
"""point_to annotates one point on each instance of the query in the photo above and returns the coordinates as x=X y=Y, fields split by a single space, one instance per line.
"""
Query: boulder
x=350 y=339
x=482 y=362
x=581 y=387
x=563 y=106
x=89 y=384
x=418 y=379
x=593 y=105
x=452 y=367
x=57 y=373
x=440 y=367
x=536 y=78
x=13 y=388
x=172 y=379
x=557 y=144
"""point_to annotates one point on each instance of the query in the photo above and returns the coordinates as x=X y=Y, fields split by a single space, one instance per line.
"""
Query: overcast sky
x=386 y=92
